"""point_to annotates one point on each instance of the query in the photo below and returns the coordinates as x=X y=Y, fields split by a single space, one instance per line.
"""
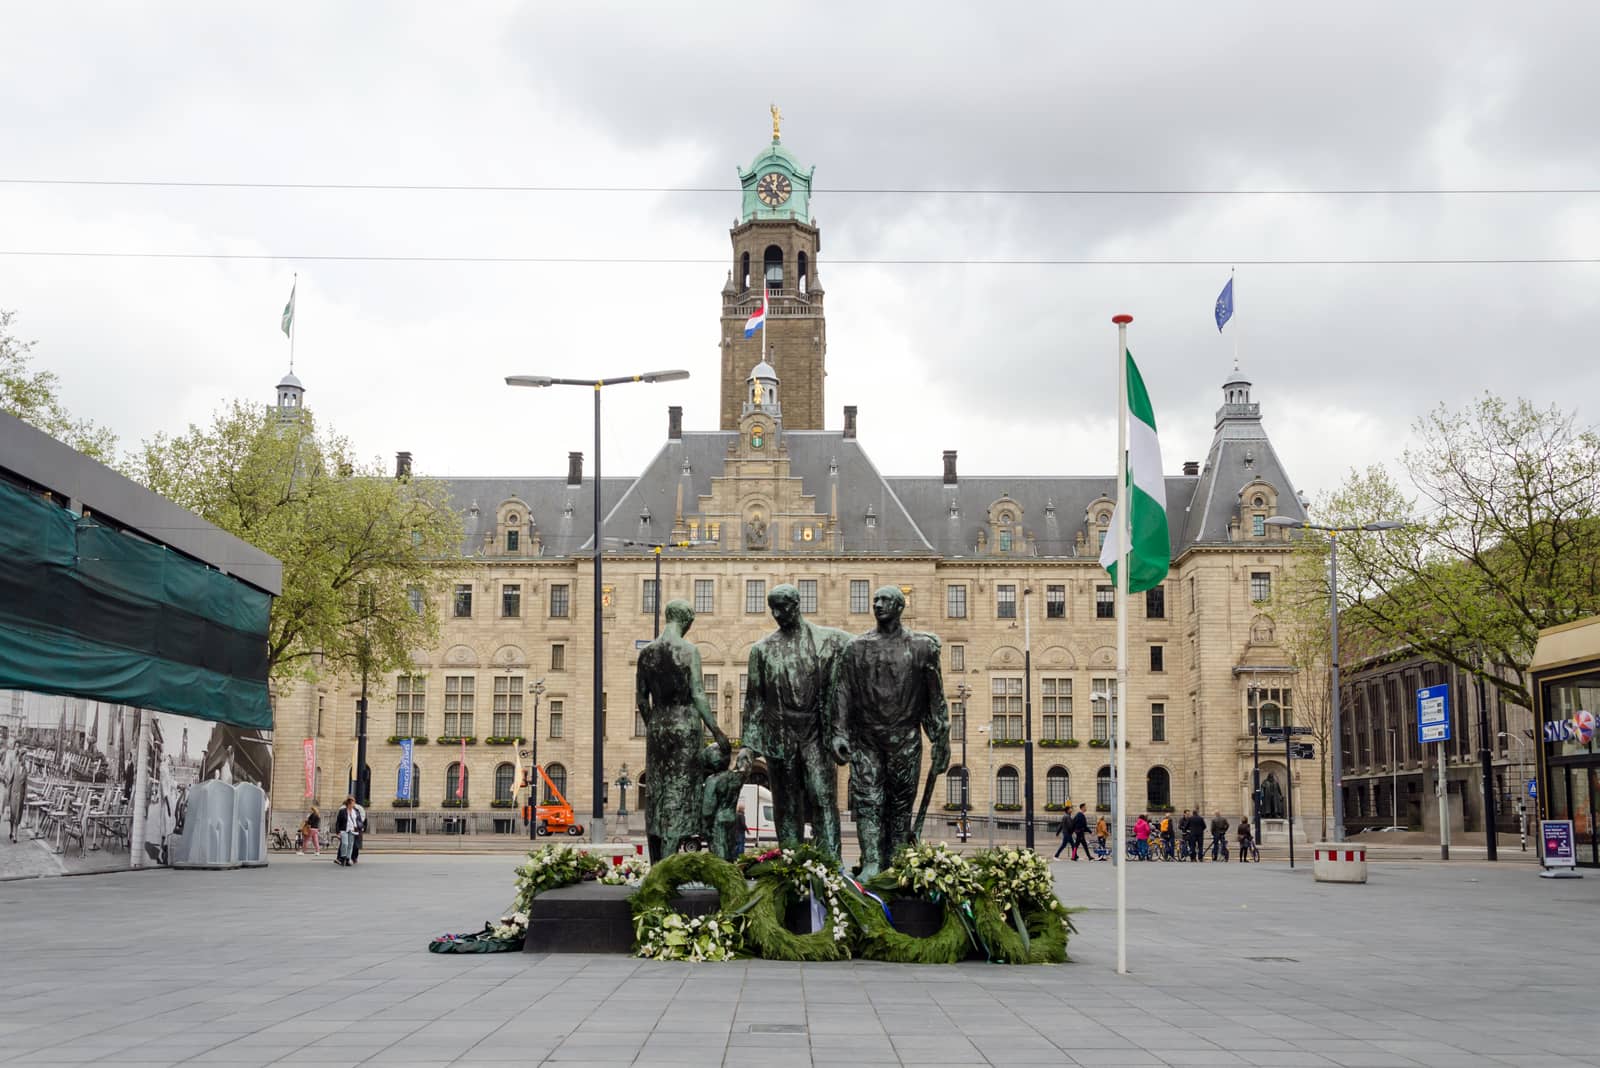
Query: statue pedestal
x=594 y=918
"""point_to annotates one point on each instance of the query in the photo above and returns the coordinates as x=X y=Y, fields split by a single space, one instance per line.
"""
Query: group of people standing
x=1179 y=840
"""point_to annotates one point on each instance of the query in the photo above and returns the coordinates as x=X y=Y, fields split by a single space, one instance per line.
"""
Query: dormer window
x=512 y=540
x=1005 y=541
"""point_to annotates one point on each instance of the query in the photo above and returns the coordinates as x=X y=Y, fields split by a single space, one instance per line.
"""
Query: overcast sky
x=1012 y=365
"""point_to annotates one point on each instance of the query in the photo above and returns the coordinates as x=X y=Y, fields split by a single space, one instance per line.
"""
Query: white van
x=758 y=824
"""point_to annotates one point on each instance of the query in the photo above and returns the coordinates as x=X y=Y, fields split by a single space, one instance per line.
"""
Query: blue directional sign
x=1533 y=788
x=1433 y=714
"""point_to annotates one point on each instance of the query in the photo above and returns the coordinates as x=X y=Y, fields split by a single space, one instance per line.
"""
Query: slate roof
x=548 y=500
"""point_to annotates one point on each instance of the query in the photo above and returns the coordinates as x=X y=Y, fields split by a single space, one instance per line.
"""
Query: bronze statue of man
x=889 y=692
x=672 y=702
x=787 y=704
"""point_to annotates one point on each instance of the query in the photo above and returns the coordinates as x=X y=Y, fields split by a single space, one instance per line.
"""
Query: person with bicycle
x=1219 y=837
x=1247 y=843
x=1141 y=836
x=1166 y=835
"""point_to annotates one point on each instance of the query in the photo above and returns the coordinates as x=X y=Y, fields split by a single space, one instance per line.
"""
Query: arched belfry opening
x=772 y=267
x=744 y=272
x=802 y=273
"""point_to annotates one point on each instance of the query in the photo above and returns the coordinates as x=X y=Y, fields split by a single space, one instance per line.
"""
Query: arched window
x=802 y=273
x=1005 y=787
x=504 y=781
x=415 y=790
x=1057 y=786
x=558 y=775
x=954 y=780
x=772 y=267
x=744 y=272
x=457 y=782
x=1158 y=787
x=1103 y=793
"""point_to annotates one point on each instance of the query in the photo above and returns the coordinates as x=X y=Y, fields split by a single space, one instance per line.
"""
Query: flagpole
x=1235 y=304
x=293 y=290
x=1119 y=758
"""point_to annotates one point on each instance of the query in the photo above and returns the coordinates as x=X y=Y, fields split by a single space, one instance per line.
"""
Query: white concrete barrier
x=1339 y=862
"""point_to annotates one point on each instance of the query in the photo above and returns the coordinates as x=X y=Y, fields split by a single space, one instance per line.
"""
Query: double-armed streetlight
x=963 y=692
x=597 y=821
x=656 y=548
x=1337 y=739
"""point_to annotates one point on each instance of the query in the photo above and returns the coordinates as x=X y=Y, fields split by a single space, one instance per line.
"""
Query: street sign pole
x=1288 y=792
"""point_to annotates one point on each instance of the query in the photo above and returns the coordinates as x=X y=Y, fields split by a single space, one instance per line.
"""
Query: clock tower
x=775 y=245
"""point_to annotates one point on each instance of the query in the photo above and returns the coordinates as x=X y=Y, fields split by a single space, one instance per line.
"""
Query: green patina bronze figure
x=719 y=803
x=888 y=694
x=787 y=721
x=672 y=702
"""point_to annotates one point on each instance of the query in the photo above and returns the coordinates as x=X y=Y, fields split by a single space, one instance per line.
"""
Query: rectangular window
x=647 y=600
x=955 y=602
x=1158 y=722
x=410 y=696
x=560 y=603
x=958 y=658
x=1055 y=701
x=1055 y=602
x=1258 y=525
x=414 y=599
x=1260 y=586
x=713 y=698
x=458 y=705
x=744 y=684
x=1102 y=696
x=958 y=721
x=755 y=595
x=1105 y=602
x=1158 y=658
x=1005 y=708
x=511 y=541
x=1155 y=602
x=1006 y=789
x=1270 y=706
x=556 y=718
x=638 y=723
x=1005 y=602
x=860 y=596
x=463 y=600
x=558 y=657
x=508 y=706
x=808 y=595
x=511 y=599
x=705 y=596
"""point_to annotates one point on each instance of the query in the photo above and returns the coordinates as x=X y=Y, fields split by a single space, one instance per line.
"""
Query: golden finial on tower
x=777 y=117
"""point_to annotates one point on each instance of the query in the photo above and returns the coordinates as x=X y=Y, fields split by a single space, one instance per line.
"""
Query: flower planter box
x=1058 y=743
x=456 y=739
x=502 y=740
x=453 y=802
x=502 y=803
x=416 y=739
x=1008 y=808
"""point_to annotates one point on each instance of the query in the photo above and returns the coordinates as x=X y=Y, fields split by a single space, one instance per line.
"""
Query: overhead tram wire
x=1409 y=261
x=422 y=187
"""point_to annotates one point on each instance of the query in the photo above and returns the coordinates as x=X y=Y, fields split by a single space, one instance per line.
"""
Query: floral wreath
x=661 y=933
x=786 y=875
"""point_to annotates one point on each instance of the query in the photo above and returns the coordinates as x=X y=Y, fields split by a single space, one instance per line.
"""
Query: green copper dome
x=776 y=186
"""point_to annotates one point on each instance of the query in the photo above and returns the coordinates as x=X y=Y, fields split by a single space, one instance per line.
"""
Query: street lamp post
x=1337 y=739
x=655 y=548
x=1522 y=805
x=597 y=819
x=1118 y=846
x=1486 y=763
x=623 y=782
x=537 y=689
x=1255 y=773
x=988 y=737
x=962 y=693
x=1394 y=778
x=1027 y=716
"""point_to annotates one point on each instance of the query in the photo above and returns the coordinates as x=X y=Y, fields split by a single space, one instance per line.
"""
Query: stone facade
x=772 y=497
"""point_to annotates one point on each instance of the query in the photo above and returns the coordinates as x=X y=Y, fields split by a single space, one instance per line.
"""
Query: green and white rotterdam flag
x=288 y=312
x=1147 y=496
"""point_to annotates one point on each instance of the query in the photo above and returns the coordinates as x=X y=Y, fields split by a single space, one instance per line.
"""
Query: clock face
x=773 y=189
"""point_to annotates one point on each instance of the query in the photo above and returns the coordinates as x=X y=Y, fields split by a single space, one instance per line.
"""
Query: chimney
x=402 y=465
x=1191 y=467
x=574 y=468
x=675 y=422
x=849 y=420
x=949 y=467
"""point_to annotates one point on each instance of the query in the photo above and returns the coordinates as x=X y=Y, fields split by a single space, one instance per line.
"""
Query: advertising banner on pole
x=1433 y=714
x=403 y=787
x=311 y=766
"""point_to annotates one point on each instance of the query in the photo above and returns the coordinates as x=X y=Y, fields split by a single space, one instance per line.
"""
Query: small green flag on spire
x=288 y=312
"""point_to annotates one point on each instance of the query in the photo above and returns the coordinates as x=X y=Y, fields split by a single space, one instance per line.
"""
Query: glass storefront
x=1570 y=781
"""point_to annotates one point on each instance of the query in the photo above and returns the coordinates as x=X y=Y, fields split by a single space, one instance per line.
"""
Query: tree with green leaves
x=32 y=396
x=363 y=554
x=1503 y=540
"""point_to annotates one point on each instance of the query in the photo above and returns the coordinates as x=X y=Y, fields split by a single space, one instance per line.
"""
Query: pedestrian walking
x=348 y=825
x=1219 y=837
x=312 y=832
x=1247 y=843
x=1141 y=837
x=1065 y=831
x=1101 y=829
x=1080 y=831
x=1197 y=830
x=739 y=831
x=13 y=784
x=1166 y=836
x=361 y=832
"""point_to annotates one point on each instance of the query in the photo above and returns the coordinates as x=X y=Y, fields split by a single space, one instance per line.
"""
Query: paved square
x=306 y=963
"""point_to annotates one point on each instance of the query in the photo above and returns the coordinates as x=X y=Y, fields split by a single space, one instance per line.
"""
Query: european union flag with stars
x=1225 y=305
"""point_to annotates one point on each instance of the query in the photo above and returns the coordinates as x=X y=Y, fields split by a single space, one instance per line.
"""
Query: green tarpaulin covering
x=90 y=611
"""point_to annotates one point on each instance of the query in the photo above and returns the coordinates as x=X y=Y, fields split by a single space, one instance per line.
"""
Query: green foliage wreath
x=664 y=934
x=791 y=875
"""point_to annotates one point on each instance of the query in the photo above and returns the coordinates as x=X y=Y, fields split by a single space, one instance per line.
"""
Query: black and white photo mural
x=92 y=786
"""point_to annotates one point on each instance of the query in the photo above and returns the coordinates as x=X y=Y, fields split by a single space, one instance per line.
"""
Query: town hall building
x=770 y=495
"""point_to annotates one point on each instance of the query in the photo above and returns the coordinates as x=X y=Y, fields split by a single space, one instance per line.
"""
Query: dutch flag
x=758 y=319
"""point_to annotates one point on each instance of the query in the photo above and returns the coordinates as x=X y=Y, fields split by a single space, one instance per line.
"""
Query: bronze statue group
x=815 y=697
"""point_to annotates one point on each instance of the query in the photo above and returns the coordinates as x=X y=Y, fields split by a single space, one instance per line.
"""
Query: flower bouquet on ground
x=505 y=936
x=551 y=867
x=630 y=871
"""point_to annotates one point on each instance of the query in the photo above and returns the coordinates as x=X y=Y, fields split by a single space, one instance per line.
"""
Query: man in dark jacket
x=1197 y=830
x=1219 y=837
x=1080 y=830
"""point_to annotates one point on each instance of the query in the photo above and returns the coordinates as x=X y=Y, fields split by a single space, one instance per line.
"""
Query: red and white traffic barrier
x=1339 y=862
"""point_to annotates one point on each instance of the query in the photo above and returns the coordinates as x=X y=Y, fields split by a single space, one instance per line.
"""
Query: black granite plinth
x=594 y=918
x=916 y=917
